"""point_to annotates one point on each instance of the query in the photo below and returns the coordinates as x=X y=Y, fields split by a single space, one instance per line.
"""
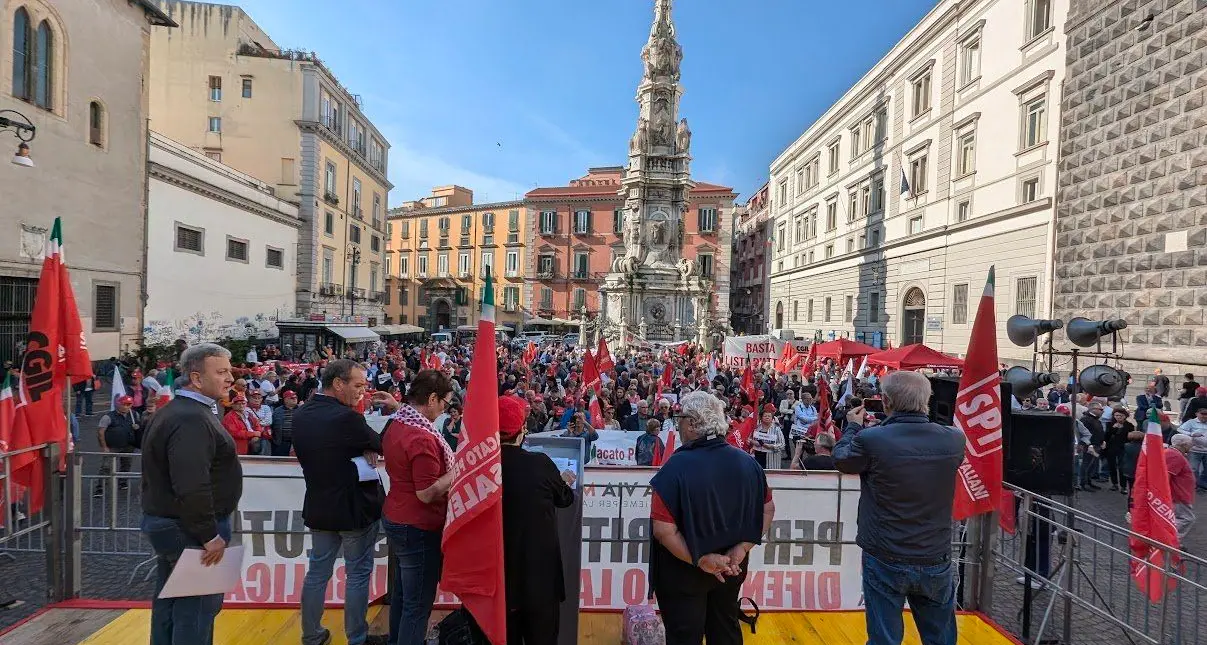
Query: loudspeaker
x=1023 y=330
x=1103 y=380
x=943 y=390
x=1023 y=381
x=1039 y=452
x=1084 y=332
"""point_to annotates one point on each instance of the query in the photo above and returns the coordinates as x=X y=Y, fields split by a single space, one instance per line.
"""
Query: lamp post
x=354 y=256
x=24 y=130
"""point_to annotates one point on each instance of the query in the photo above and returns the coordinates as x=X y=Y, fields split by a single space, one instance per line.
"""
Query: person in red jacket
x=243 y=426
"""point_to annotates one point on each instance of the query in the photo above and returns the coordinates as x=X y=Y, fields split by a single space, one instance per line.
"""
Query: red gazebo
x=844 y=349
x=915 y=357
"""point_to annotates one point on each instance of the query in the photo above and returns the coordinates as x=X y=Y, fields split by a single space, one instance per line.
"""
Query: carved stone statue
x=637 y=144
x=633 y=243
x=658 y=233
x=683 y=136
x=686 y=268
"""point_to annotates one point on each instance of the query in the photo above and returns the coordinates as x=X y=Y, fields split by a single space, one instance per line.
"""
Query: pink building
x=576 y=236
x=749 y=277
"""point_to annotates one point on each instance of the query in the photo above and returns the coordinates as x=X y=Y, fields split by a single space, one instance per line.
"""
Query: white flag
x=119 y=388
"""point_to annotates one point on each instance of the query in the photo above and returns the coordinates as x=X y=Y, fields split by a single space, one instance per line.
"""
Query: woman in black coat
x=1115 y=438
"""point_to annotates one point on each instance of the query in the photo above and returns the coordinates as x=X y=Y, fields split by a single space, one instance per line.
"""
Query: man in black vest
x=118 y=433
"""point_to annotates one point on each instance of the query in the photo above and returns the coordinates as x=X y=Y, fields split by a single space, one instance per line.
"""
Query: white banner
x=739 y=350
x=615 y=448
x=809 y=560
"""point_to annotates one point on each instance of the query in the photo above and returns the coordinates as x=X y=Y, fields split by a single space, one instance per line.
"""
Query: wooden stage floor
x=64 y=626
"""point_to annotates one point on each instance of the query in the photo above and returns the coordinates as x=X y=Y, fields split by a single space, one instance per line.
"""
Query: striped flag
x=1152 y=516
x=906 y=189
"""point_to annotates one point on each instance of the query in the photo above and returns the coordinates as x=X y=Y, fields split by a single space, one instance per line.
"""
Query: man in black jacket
x=339 y=509
x=191 y=483
x=1090 y=461
x=532 y=556
x=907 y=471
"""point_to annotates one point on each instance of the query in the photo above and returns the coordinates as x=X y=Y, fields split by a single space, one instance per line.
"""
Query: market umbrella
x=844 y=349
x=915 y=357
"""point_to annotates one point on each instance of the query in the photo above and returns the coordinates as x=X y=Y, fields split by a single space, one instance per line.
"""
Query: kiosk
x=568 y=453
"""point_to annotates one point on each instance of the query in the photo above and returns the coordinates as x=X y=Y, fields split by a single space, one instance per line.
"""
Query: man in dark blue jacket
x=907 y=470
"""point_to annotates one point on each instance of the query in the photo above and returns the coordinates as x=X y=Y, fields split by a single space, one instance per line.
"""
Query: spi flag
x=739 y=436
x=167 y=390
x=590 y=373
x=784 y=364
x=978 y=414
x=55 y=354
x=1152 y=515
x=752 y=395
x=603 y=358
x=473 y=527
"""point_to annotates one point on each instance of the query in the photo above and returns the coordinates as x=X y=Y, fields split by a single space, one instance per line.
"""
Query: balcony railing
x=464 y=274
x=580 y=275
x=356 y=294
x=547 y=274
x=331 y=198
x=377 y=296
x=329 y=289
x=509 y=306
x=482 y=272
x=358 y=213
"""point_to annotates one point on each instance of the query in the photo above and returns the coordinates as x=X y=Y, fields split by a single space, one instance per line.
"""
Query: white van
x=442 y=337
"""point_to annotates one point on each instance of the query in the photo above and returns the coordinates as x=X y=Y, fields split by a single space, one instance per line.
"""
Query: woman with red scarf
x=243 y=426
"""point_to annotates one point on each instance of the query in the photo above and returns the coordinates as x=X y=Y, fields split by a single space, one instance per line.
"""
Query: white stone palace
x=653 y=293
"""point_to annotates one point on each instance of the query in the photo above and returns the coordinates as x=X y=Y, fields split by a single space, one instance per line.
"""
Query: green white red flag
x=978 y=414
x=7 y=414
x=56 y=354
x=1152 y=516
x=473 y=527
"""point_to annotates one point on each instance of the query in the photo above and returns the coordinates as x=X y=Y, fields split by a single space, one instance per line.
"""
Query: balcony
x=580 y=275
x=331 y=198
x=513 y=273
x=377 y=296
x=482 y=272
x=510 y=306
x=358 y=213
x=329 y=289
x=547 y=274
x=464 y=274
x=442 y=274
x=489 y=228
x=444 y=243
x=356 y=294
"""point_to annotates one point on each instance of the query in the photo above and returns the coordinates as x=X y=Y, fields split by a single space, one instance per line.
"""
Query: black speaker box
x=1039 y=452
x=943 y=390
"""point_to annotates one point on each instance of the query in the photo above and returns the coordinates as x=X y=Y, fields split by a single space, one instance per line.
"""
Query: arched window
x=43 y=62
x=779 y=315
x=22 y=55
x=96 y=124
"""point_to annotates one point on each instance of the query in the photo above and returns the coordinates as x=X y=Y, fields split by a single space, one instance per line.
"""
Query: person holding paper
x=191 y=483
x=339 y=509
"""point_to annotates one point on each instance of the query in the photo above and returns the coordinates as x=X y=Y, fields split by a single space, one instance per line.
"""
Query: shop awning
x=538 y=322
x=354 y=334
x=397 y=330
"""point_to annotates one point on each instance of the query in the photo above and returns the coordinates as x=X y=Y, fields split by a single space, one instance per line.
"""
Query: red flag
x=810 y=361
x=55 y=353
x=825 y=414
x=739 y=437
x=530 y=353
x=7 y=412
x=590 y=373
x=782 y=366
x=681 y=350
x=747 y=386
x=667 y=449
x=978 y=414
x=603 y=357
x=597 y=421
x=1152 y=516
x=473 y=527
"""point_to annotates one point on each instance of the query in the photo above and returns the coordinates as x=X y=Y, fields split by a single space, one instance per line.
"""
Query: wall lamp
x=24 y=130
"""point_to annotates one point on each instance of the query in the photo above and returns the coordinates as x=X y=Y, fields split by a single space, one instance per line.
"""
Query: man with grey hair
x=191 y=484
x=1181 y=482
x=907 y=470
x=710 y=506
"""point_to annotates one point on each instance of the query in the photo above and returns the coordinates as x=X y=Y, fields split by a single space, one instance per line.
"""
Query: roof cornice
x=210 y=191
x=313 y=127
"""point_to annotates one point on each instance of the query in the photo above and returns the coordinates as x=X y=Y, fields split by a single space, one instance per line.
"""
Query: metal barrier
x=24 y=533
x=1077 y=584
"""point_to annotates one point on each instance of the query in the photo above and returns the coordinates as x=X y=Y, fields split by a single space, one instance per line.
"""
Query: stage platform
x=107 y=624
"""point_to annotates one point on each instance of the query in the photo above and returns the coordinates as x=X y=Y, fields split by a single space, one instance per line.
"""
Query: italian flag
x=7 y=413
x=166 y=391
x=473 y=526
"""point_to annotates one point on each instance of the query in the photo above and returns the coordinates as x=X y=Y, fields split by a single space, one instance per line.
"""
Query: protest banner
x=757 y=350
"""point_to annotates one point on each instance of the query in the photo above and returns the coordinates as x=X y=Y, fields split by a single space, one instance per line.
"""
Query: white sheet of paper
x=191 y=578
x=364 y=471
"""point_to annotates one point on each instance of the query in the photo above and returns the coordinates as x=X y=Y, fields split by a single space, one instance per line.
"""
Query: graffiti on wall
x=203 y=327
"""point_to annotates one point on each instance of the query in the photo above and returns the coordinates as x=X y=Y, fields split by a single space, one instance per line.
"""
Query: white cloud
x=415 y=172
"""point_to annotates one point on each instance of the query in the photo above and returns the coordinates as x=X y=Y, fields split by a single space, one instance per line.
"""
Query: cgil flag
x=473 y=528
x=55 y=354
x=590 y=373
x=747 y=387
x=603 y=357
x=1152 y=516
x=978 y=414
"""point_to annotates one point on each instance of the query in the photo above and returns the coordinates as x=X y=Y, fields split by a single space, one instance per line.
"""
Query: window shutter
x=590 y=216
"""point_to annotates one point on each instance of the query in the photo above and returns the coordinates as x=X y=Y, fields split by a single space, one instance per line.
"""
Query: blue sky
x=504 y=95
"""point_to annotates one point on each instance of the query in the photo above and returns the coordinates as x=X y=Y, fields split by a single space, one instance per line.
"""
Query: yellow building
x=220 y=85
x=437 y=254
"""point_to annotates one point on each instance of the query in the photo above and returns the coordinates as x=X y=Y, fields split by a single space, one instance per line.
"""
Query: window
x=215 y=155
x=877 y=203
x=966 y=154
x=422 y=228
x=915 y=225
x=546 y=298
x=970 y=60
x=488 y=221
x=1024 y=296
x=329 y=179
x=580 y=299
x=1034 y=126
x=809 y=310
x=442 y=224
x=959 y=304
x=850 y=245
x=832 y=215
x=795 y=310
x=1030 y=189
x=827 y=309
x=104 y=307
x=848 y=313
x=783 y=194
x=376 y=210
x=356 y=212
x=582 y=222
x=96 y=124
x=511 y=298
x=513 y=220
x=404 y=296
x=780 y=238
x=873 y=307
x=374 y=244
x=800 y=181
x=863 y=241
x=545 y=265
x=236 y=249
x=875 y=239
x=215 y=88
x=467 y=222
x=463 y=264
x=274 y=258
x=829 y=251
x=288 y=171
x=1039 y=17
x=707 y=220
x=247 y=88
x=618 y=221
x=389 y=263
x=800 y=230
x=442 y=265
x=23 y=56
x=423 y=265
x=706 y=264
x=43 y=61
x=404 y=265
x=832 y=153
x=917 y=174
x=921 y=93
x=548 y=222
x=856 y=141
x=354 y=234
x=581 y=263
x=328 y=265
x=190 y=240
x=513 y=263
x=963 y=211
x=488 y=260
x=852 y=206
x=329 y=223
x=215 y=124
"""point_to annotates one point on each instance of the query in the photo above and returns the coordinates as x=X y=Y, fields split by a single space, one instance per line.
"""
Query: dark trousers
x=281 y=448
x=84 y=399
x=1038 y=556
x=179 y=621
x=694 y=604
x=417 y=575
x=1114 y=465
x=534 y=626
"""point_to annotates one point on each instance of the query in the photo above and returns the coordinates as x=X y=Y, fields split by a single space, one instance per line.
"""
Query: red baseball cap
x=290 y=394
x=125 y=399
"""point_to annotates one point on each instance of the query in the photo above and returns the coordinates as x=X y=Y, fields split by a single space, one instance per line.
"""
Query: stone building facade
x=749 y=277
x=1131 y=214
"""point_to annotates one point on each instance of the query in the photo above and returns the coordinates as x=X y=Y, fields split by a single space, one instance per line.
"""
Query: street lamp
x=24 y=130
x=354 y=256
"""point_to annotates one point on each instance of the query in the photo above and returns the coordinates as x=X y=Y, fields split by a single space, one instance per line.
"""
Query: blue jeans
x=179 y=621
x=930 y=590
x=1198 y=466
x=358 y=567
x=84 y=398
x=418 y=557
